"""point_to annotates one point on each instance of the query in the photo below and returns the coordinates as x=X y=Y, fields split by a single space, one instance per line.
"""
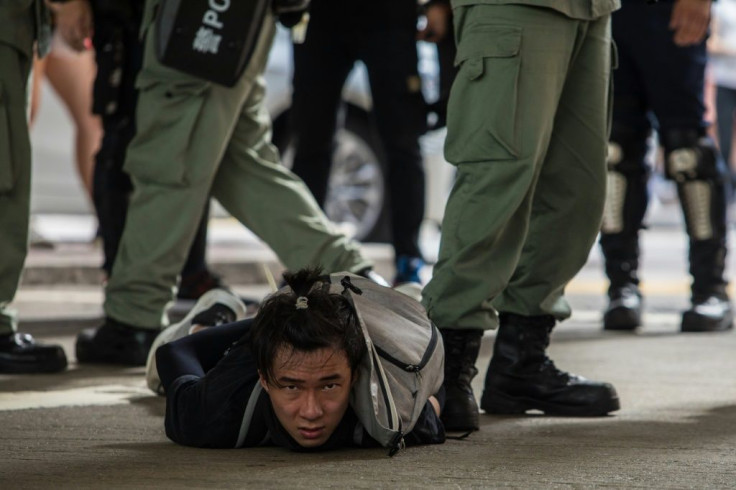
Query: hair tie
x=301 y=303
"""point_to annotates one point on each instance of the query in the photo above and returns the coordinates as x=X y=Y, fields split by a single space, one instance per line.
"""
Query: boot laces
x=459 y=367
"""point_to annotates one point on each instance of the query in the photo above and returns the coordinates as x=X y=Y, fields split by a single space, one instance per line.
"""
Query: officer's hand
x=690 y=19
x=438 y=17
x=74 y=22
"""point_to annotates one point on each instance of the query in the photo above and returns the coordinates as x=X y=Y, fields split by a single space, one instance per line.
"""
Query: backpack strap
x=248 y=415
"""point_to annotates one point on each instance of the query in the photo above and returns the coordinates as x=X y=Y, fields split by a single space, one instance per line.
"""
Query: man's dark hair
x=305 y=317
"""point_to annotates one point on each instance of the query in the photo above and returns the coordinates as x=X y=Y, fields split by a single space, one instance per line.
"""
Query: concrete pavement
x=94 y=427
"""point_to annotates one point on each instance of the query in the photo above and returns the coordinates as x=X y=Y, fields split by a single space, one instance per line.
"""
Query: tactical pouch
x=210 y=39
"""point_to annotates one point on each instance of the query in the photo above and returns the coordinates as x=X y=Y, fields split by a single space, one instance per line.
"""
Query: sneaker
x=407 y=269
x=37 y=240
x=115 y=343
x=20 y=354
x=216 y=307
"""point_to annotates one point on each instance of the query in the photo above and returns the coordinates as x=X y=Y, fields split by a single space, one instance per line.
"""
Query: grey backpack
x=404 y=364
x=403 y=367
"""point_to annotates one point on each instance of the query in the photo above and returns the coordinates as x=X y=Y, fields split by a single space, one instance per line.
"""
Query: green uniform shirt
x=575 y=9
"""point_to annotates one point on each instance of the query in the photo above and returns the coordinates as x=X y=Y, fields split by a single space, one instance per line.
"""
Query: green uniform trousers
x=15 y=176
x=528 y=121
x=21 y=23
x=196 y=139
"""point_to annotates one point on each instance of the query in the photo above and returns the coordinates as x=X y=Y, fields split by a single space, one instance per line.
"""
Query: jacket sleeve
x=428 y=429
x=205 y=406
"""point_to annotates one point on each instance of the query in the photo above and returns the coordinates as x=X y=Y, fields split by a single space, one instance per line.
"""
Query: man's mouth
x=311 y=432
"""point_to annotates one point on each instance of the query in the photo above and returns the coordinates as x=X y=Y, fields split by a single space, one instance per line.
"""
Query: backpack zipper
x=393 y=417
x=412 y=368
x=397 y=444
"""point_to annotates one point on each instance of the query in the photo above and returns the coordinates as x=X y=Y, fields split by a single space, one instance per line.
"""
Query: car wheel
x=356 y=190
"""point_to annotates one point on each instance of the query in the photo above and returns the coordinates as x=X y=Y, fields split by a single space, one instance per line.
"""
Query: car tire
x=356 y=196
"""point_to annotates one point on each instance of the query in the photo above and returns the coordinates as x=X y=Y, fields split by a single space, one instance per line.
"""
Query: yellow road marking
x=648 y=288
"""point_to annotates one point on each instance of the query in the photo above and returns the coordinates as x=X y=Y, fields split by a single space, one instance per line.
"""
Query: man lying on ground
x=303 y=347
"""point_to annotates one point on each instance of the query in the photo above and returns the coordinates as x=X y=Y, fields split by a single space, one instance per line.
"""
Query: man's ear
x=263 y=381
x=355 y=375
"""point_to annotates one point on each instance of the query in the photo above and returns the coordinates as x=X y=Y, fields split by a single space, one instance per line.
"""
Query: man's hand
x=690 y=19
x=438 y=17
x=74 y=22
x=435 y=404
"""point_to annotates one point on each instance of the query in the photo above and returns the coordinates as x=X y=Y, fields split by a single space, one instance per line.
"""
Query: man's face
x=311 y=392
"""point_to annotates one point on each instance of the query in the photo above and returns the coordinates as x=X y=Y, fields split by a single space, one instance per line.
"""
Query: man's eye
x=291 y=387
x=330 y=386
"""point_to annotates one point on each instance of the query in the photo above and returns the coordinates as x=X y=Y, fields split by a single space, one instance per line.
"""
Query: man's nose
x=311 y=408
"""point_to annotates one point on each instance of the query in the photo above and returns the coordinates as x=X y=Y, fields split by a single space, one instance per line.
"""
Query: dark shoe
x=461 y=351
x=521 y=377
x=194 y=286
x=407 y=269
x=624 y=308
x=115 y=343
x=20 y=354
x=708 y=314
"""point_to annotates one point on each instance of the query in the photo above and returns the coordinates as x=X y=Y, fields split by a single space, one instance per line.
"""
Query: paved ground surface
x=96 y=427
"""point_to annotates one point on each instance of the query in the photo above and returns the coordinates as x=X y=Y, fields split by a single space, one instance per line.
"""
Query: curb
x=236 y=263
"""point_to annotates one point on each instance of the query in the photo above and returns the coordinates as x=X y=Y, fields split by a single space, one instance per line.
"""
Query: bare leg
x=37 y=74
x=72 y=76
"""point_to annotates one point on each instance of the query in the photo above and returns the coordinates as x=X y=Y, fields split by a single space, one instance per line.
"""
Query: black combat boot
x=624 y=308
x=703 y=196
x=461 y=352
x=115 y=343
x=708 y=313
x=624 y=298
x=711 y=309
x=20 y=354
x=521 y=377
x=626 y=204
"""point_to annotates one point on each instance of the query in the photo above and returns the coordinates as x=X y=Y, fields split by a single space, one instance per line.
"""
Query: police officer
x=527 y=130
x=194 y=139
x=119 y=55
x=382 y=34
x=659 y=83
x=22 y=22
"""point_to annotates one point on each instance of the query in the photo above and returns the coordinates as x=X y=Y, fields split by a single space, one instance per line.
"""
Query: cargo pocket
x=481 y=119
x=6 y=155
x=167 y=115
